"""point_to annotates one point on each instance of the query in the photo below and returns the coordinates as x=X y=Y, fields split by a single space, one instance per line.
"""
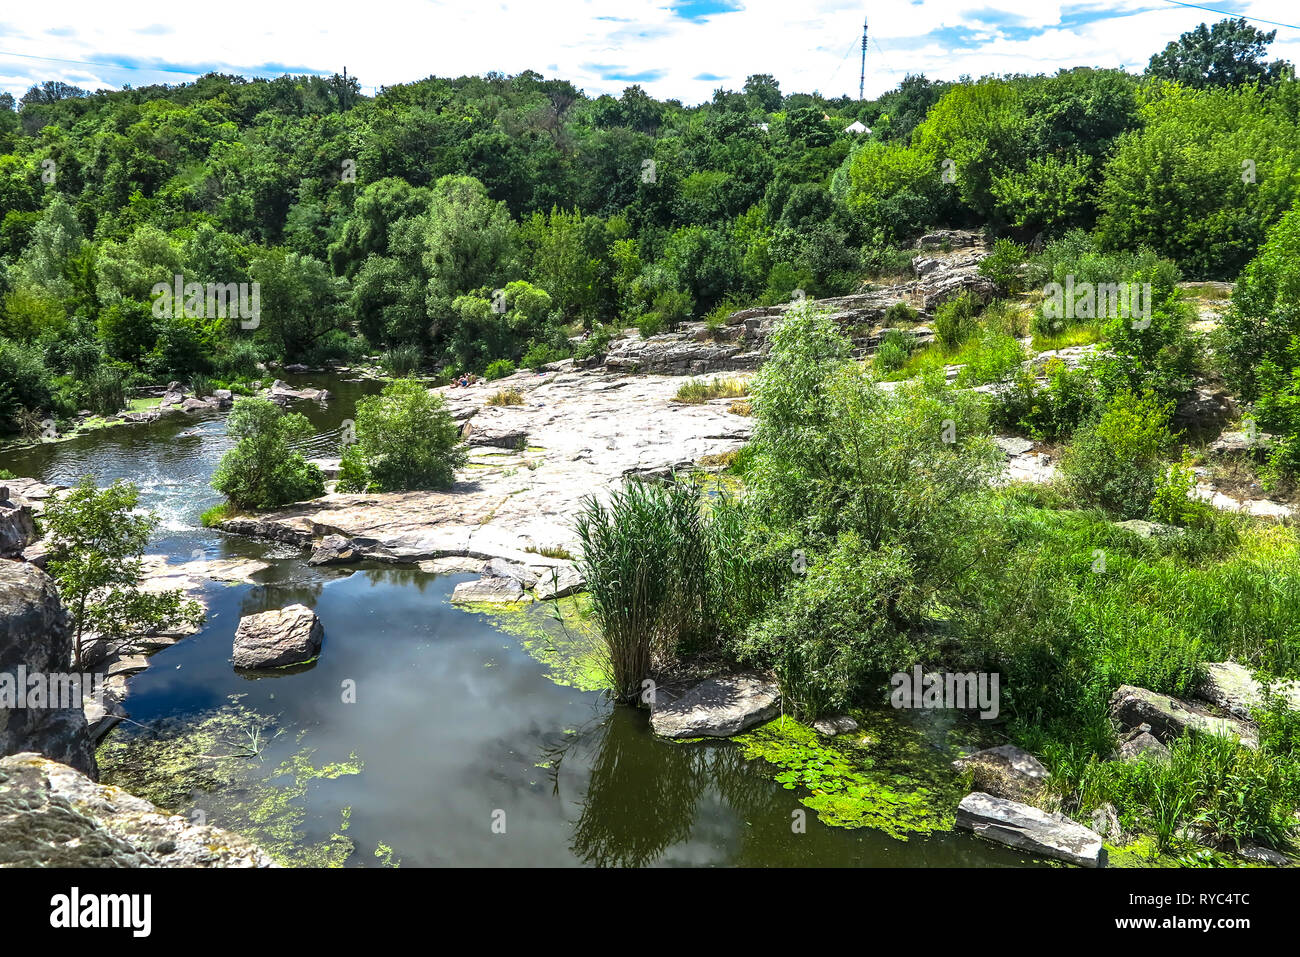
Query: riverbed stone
x=1029 y=829
x=278 y=638
x=52 y=815
x=36 y=638
x=1171 y=717
x=559 y=583
x=1140 y=744
x=17 y=524
x=333 y=550
x=714 y=708
x=835 y=724
x=499 y=591
x=500 y=568
x=1005 y=771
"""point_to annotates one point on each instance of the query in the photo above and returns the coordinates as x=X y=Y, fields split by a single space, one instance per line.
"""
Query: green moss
x=1143 y=852
x=887 y=776
x=568 y=645
x=219 y=762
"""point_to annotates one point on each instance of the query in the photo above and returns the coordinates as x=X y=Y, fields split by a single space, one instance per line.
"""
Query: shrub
x=499 y=369
x=239 y=360
x=1051 y=410
x=1005 y=265
x=650 y=324
x=540 y=354
x=505 y=397
x=899 y=313
x=995 y=359
x=1116 y=461
x=1174 y=502
x=24 y=383
x=405 y=439
x=402 y=361
x=893 y=352
x=955 y=321
x=262 y=471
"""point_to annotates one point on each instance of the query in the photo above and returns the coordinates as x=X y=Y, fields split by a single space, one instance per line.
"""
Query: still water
x=423 y=735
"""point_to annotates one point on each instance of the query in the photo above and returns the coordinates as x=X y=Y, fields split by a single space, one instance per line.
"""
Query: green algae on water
x=886 y=776
x=232 y=768
x=569 y=646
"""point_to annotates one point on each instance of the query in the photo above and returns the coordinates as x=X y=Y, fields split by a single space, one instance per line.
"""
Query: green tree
x=1227 y=54
x=96 y=538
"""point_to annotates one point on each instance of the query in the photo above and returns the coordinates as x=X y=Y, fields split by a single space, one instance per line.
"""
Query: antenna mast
x=862 y=80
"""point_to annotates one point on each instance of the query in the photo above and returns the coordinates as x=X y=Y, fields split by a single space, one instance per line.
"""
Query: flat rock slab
x=1169 y=717
x=1005 y=771
x=275 y=639
x=715 y=708
x=502 y=591
x=1231 y=687
x=564 y=582
x=1029 y=829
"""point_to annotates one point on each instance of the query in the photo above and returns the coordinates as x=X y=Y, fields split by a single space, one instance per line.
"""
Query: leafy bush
x=24 y=383
x=540 y=354
x=955 y=321
x=1050 y=410
x=899 y=313
x=405 y=439
x=1174 y=502
x=262 y=471
x=893 y=352
x=1005 y=265
x=499 y=370
x=996 y=359
x=401 y=361
x=1116 y=461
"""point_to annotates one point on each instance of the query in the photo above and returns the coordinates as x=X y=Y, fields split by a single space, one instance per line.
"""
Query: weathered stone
x=494 y=590
x=333 y=550
x=1231 y=688
x=52 y=815
x=1203 y=409
x=278 y=638
x=1264 y=855
x=1005 y=771
x=36 y=638
x=559 y=583
x=1240 y=443
x=1139 y=743
x=835 y=725
x=17 y=525
x=1026 y=828
x=453 y=565
x=716 y=707
x=282 y=393
x=1169 y=717
x=500 y=568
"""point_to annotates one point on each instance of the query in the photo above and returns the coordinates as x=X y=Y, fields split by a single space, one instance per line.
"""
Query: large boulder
x=36 y=639
x=52 y=815
x=1005 y=771
x=278 y=638
x=559 y=583
x=1169 y=717
x=714 y=708
x=333 y=550
x=1041 y=833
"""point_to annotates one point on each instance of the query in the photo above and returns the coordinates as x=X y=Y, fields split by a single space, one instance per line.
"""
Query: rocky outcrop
x=835 y=725
x=1230 y=687
x=17 y=523
x=52 y=815
x=177 y=399
x=278 y=638
x=333 y=550
x=1169 y=717
x=1005 y=771
x=559 y=583
x=281 y=393
x=1041 y=833
x=36 y=639
x=716 y=707
x=1140 y=744
x=498 y=591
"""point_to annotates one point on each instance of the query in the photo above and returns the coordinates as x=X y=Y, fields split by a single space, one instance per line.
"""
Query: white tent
x=856 y=128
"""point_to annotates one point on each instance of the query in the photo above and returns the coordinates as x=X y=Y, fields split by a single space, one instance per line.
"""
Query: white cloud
x=813 y=45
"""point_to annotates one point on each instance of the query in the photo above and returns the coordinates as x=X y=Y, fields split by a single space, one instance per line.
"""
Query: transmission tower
x=862 y=79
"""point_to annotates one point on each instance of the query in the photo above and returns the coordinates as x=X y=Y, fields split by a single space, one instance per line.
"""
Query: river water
x=423 y=735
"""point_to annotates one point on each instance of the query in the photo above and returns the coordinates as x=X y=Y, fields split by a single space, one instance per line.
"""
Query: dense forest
x=449 y=223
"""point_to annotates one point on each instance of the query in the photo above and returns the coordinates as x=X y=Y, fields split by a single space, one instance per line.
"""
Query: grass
x=698 y=391
x=550 y=551
x=505 y=397
x=1083 y=334
x=741 y=407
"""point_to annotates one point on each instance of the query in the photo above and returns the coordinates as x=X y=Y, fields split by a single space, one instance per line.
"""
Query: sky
x=682 y=49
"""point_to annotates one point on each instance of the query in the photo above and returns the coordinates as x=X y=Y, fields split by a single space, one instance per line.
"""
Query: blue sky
x=675 y=48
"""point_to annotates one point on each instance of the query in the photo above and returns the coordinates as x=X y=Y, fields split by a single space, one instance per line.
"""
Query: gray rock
x=333 y=550
x=1005 y=771
x=1140 y=744
x=500 y=568
x=1231 y=688
x=52 y=815
x=835 y=725
x=1264 y=855
x=1169 y=717
x=278 y=638
x=716 y=707
x=36 y=637
x=559 y=583
x=17 y=525
x=1204 y=408
x=494 y=590
x=1041 y=833
x=1239 y=443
